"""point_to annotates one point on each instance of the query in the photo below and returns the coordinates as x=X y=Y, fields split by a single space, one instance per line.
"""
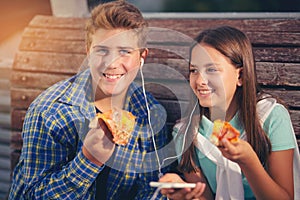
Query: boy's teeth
x=112 y=76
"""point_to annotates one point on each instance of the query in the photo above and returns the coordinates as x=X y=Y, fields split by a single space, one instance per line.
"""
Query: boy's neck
x=106 y=103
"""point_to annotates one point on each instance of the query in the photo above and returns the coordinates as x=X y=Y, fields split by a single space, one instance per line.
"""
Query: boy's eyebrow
x=118 y=47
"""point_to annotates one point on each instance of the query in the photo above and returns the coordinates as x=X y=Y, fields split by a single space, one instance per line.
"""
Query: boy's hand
x=98 y=145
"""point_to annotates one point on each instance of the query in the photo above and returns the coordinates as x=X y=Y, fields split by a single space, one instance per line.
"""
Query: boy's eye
x=124 y=51
x=102 y=52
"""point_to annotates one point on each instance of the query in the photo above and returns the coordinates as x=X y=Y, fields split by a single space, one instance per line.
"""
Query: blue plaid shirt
x=52 y=165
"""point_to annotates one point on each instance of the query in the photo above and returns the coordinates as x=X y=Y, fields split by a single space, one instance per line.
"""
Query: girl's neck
x=224 y=113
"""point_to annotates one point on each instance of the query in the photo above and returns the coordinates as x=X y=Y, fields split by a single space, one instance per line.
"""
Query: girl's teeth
x=204 y=92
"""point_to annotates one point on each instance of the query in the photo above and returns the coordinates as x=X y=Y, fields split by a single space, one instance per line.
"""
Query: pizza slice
x=223 y=129
x=120 y=123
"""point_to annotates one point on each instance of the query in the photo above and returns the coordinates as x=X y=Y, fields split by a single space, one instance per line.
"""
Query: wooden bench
x=52 y=49
x=5 y=122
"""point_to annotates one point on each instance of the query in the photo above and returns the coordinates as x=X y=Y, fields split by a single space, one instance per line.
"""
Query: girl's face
x=213 y=78
x=114 y=60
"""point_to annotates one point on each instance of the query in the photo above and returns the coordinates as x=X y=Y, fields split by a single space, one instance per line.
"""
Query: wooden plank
x=175 y=109
x=5 y=163
x=59 y=46
x=169 y=90
x=5 y=120
x=193 y=26
x=295 y=116
x=261 y=54
x=54 y=34
x=16 y=140
x=31 y=80
x=48 y=62
x=5 y=150
x=287 y=74
x=272 y=54
x=4 y=84
x=188 y=24
x=290 y=97
x=165 y=35
x=4 y=187
x=15 y=155
x=274 y=38
x=5 y=135
x=257 y=38
x=278 y=54
x=17 y=119
x=45 y=21
x=21 y=98
x=5 y=176
x=5 y=68
x=5 y=98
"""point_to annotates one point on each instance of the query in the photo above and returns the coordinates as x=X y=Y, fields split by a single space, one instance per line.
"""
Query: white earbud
x=142 y=62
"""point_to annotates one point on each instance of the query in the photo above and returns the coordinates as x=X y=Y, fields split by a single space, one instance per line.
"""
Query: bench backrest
x=52 y=49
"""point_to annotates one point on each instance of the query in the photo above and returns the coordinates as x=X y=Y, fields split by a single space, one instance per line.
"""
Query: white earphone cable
x=184 y=136
x=152 y=134
x=149 y=120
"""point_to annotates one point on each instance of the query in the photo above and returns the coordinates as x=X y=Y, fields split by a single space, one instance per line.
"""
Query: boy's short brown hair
x=114 y=15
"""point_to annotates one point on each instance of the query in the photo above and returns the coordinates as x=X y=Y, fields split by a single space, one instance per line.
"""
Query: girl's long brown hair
x=236 y=46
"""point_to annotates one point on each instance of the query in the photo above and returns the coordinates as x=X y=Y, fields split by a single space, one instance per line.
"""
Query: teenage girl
x=260 y=164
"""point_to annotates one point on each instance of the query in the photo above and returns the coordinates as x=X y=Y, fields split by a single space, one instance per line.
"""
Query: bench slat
x=164 y=35
x=58 y=67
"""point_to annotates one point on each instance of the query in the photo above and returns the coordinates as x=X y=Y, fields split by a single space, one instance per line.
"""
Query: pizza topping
x=223 y=129
x=120 y=123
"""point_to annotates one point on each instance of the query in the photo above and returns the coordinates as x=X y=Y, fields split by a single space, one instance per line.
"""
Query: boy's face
x=114 y=60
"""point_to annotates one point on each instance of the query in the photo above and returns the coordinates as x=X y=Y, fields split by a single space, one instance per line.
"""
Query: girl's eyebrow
x=205 y=65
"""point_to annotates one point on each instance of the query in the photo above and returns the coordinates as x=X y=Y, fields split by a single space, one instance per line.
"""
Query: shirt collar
x=80 y=94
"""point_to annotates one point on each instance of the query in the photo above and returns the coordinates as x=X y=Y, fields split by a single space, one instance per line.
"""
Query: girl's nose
x=201 y=79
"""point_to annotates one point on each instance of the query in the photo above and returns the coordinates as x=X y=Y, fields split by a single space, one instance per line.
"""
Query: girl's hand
x=240 y=152
x=181 y=194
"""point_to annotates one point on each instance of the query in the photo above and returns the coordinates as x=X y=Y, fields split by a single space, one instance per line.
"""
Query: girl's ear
x=240 y=78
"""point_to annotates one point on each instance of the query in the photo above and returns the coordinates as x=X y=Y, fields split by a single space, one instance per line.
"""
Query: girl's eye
x=193 y=71
x=211 y=69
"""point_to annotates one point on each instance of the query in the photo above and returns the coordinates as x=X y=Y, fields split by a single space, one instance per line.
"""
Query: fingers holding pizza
x=226 y=137
x=107 y=130
x=120 y=124
x=223 y=130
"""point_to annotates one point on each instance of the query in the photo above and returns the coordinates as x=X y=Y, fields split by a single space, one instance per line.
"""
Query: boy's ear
x=87 y=50
x=144 y=55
